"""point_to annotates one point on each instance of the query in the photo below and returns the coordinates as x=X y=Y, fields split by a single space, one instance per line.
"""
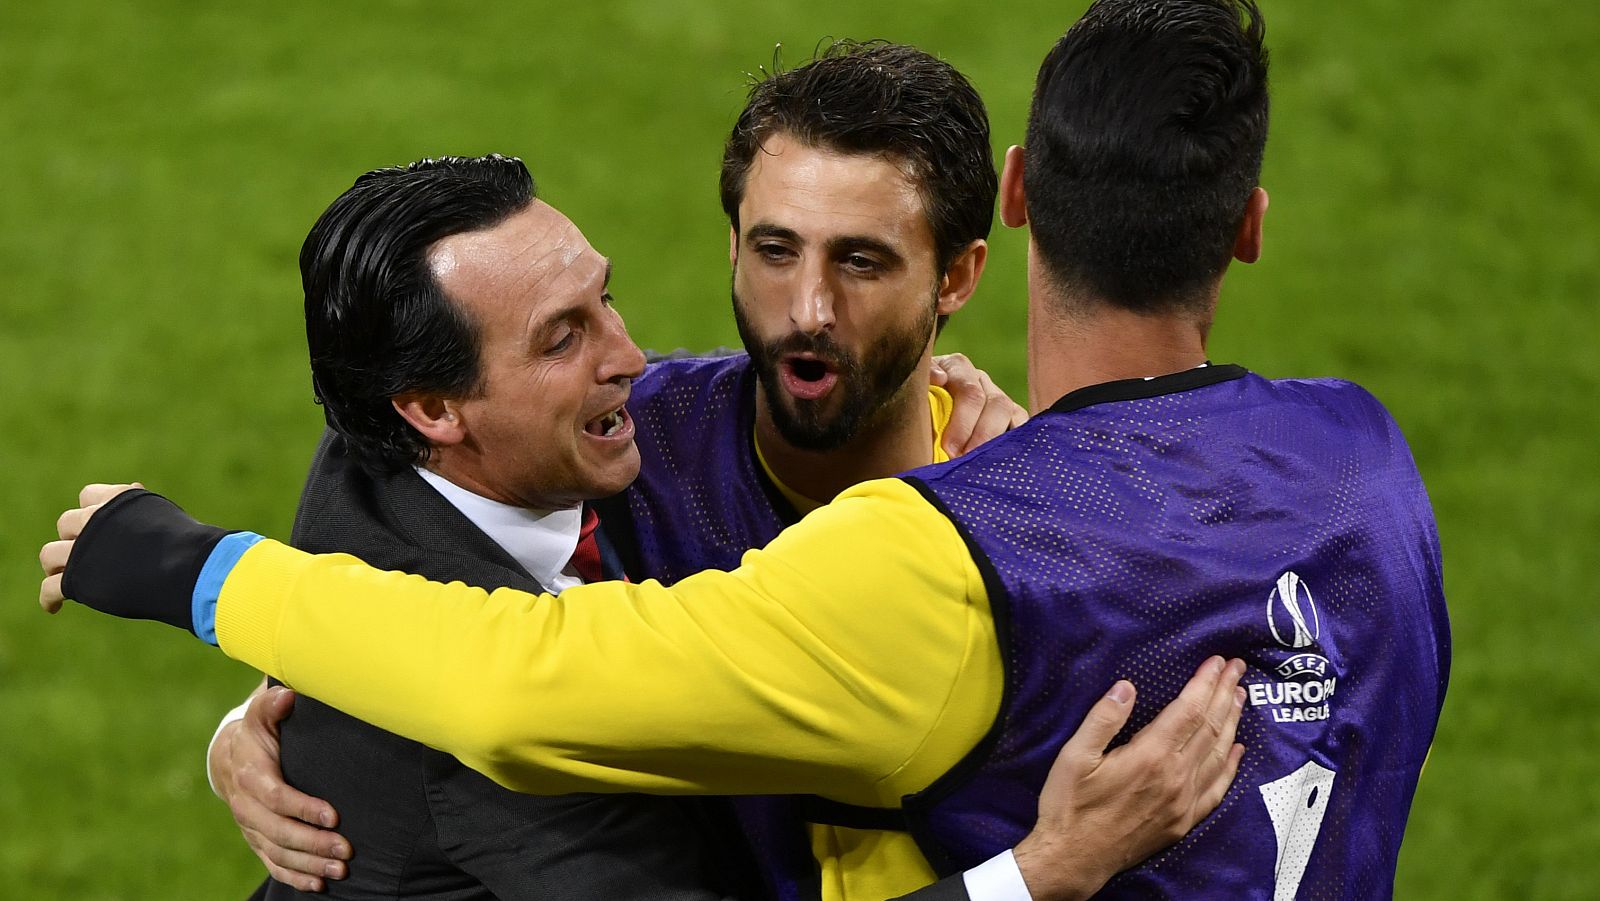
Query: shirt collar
x=542 y=542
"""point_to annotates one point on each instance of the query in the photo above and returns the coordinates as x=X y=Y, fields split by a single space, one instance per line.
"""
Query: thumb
x=272 y=708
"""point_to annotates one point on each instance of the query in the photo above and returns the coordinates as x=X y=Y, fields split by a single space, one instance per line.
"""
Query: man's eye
x=563 y=343
x=856 y=262
x=608 y=298
x=774 y=252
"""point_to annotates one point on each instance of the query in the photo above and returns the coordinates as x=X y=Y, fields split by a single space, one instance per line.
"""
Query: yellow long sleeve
x=853 y=658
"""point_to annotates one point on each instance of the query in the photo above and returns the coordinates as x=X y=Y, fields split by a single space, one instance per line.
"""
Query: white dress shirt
x=542 y=542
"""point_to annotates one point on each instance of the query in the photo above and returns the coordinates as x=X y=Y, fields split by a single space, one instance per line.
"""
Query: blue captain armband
x=208 y=587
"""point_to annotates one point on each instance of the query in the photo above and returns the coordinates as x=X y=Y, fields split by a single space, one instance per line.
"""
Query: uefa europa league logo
x=1290 y=605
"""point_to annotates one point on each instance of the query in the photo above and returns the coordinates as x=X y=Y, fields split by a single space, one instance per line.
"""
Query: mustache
x=821 y=346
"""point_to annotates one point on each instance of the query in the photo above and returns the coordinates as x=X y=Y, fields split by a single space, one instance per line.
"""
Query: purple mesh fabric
x=701 y=499
x=1283 y=522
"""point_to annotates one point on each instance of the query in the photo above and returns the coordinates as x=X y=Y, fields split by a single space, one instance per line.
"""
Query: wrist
x=1056 y=871
x=218 y=774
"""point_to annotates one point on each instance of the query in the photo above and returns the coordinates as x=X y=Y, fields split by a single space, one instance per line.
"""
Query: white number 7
x=1296 y=804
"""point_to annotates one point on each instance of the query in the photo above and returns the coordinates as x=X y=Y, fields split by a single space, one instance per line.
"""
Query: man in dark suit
x=380 y=326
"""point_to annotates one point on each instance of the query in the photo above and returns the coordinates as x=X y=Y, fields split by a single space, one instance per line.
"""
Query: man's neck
x=899 y=438
x=1075 y=344
x=457 y=465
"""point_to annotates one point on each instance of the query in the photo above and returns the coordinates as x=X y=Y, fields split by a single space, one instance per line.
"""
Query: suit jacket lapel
x=396 y=521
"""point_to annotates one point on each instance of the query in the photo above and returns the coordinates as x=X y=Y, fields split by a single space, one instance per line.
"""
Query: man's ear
x=1247 y=244
x=438 y=419
x=961 y=278
x=1013 y=200
x=733 y=248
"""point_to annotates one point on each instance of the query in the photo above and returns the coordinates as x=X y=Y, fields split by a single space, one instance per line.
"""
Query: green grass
x=1434 y=170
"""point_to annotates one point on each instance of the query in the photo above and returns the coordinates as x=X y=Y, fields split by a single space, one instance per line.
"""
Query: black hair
x=1144 y=143
x=873 y=97
x=377 y=322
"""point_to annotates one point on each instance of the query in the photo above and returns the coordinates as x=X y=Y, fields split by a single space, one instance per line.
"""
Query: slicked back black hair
x=377 y=322
x=889 y=100
x=1144 y=142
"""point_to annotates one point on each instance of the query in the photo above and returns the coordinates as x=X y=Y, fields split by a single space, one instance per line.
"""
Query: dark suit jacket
x=422 y=825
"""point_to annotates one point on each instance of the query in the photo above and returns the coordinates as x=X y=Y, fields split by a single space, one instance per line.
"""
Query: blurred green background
x=1435 y=177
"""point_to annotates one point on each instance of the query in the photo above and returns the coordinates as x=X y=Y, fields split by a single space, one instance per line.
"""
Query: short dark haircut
x=377 y=322
x=889 y=100
x=1144 y=142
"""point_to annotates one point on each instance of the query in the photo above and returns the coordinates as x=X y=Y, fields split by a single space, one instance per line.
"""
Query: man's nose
x=623 y=359
x=811 y=310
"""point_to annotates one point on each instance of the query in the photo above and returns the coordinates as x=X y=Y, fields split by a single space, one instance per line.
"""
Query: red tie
x=586 y=556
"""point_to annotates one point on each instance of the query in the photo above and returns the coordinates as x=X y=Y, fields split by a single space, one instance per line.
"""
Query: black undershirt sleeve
x=138 y=558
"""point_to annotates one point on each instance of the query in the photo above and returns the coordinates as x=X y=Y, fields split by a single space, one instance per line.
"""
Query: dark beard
x=864 y=388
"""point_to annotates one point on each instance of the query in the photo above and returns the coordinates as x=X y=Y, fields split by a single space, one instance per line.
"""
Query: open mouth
x=809 y=370
x=807 y=378
x=609 y=425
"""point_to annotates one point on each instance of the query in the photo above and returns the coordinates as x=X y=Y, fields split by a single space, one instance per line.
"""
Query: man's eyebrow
x=554 y=317
x=571 y=310
x=856 y=243
x=767 y=230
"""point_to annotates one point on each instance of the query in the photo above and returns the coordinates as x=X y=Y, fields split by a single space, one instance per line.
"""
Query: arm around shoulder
x=808 y=669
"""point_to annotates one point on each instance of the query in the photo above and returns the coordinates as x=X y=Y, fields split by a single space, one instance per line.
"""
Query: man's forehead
x=817 y=189
x=527 y=250
x=533 y=260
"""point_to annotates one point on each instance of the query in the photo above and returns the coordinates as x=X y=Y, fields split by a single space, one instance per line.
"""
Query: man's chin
x=614 y=476
x=812 y=426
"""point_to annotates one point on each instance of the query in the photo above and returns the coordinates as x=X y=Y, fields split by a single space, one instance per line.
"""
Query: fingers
x=1213 y=753
x=293 y=840
x=1100 y=725
x=1221 y=714
x=300 y=881
x=296 y=816
x=93 y=495
x=259 y=778
x=53 y=559
x=50 y=598
x=69 y=525
x=980 y=410
x=53 y=556
x=951 y=366
x=1223 y=747
x=957 y=375
x=1019 y=415
x=1179 y=721
x=1000 y=415
x=1211 y=795
x=301 y=869
x=288 y=802
x=297 y=853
